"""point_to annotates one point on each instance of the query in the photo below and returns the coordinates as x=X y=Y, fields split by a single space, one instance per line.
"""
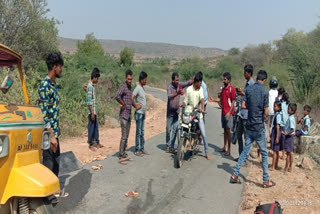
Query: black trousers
x=51 y=160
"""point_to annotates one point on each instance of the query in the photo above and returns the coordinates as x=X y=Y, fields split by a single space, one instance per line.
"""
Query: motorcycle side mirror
x=6 y=84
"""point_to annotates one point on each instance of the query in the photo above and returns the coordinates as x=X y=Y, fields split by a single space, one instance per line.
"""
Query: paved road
x=200 y=186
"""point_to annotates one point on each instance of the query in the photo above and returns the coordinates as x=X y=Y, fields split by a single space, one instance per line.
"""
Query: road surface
x=200 y=186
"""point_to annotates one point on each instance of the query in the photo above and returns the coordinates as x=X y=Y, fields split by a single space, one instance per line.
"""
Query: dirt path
x=297 y=192
x=110 y=137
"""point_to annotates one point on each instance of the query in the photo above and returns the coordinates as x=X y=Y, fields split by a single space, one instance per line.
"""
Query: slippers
x=222 y=150
x=235 y=180
x=132 y=194
x=123 y=162
x=268 y=184
x=99 y=146
x=62 y=194
x=127 y=159
x=97 y=167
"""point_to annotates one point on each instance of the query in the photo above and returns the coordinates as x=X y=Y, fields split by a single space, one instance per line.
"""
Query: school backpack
x=273 y=208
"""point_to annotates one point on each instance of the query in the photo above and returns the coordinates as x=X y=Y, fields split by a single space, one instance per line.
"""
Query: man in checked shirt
x=124 y=97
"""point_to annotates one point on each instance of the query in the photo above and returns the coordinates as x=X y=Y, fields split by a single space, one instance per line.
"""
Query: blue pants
x=139 y=131
x=260 y=138
x=172 y=123
x=203 y=134
x=93 y=130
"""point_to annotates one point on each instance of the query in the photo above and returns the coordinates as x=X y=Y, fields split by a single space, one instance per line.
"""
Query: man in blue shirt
x=256 y=100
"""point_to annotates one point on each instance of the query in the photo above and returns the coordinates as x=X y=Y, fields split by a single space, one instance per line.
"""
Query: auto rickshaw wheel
x=40 y=206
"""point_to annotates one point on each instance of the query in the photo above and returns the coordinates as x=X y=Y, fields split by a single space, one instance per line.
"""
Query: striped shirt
x=125 y=94
x=91 y=98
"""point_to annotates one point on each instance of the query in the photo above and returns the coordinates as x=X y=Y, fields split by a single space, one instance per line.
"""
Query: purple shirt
x=125 y=94
x=173 y=102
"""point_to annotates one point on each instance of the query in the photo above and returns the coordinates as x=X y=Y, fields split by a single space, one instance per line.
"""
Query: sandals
x=268 y=184
x=99 y=146
x=168 y=149
x=222 y=150
x=62 y=194
x=132 y=194
x=235 y=180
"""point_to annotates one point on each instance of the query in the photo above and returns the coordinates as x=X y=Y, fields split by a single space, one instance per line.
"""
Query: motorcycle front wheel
x=181 y=151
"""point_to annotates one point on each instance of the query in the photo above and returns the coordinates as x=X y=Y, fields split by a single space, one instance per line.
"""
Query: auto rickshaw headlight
x=45 y=140
x=4 y=145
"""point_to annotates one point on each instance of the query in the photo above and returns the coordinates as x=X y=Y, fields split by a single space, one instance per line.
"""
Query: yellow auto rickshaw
x=25 y=183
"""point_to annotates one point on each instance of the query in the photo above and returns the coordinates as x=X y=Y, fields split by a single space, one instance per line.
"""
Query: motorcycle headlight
x=4 y=145
x=46 y=140
x=186 y=119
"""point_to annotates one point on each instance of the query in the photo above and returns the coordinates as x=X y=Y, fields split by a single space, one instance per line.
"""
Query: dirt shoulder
x=110 y=137
x=297 y=192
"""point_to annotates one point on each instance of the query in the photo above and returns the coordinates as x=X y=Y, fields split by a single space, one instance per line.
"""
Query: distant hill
x=146 y=49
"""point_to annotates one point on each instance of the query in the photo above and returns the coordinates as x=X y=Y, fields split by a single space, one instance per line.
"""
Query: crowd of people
x=263 y=117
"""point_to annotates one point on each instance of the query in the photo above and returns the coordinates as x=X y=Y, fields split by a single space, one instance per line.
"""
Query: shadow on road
x=227 y=167
x=77 y=188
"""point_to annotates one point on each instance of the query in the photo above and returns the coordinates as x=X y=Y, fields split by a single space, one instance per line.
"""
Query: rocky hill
x=146 y=49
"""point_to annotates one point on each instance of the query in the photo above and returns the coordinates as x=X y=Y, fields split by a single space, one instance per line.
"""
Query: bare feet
x=208 y=157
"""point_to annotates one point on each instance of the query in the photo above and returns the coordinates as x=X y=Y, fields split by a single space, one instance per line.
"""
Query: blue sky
x=216 y=23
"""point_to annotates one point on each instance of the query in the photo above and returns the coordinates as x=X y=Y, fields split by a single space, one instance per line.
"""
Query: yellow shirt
x=193 y=97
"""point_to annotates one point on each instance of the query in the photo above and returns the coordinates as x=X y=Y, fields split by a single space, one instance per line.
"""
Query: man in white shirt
x=195 y=98
x=273 y=94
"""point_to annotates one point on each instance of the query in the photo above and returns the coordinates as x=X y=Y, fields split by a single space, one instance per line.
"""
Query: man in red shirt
x=227 y=98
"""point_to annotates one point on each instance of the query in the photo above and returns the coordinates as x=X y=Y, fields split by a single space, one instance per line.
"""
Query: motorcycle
x=188 y=133
x=237 y=109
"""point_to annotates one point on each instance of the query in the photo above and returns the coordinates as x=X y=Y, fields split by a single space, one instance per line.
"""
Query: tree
x=90 y=46
x=90 y=54
x=234 y=51
x=25 y=28
x=126 y=57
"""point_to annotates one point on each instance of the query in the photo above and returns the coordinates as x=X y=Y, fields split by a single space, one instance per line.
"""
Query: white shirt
x=273 y=94
x=193 y=97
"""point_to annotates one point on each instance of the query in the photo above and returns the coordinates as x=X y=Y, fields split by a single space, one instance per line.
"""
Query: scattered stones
x=111 y=122
x=306 y=163
x=247 y=205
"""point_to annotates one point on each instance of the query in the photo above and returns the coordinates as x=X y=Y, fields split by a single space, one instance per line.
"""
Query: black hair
x=227 y=75
x=278 y=103
x=281 y=91
x=285 y=97
x=198 y=77
x=293 y=107
x=249 y=69
x=128 y=72
x=142 y=76
x=273 y=83
x=54 y=58
x=262 y=75
x=95 y=73
x=174 y=75
x=307 y=108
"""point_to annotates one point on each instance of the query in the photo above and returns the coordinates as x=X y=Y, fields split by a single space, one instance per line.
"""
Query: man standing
x=194 y=96
x=256 y=100
x=49 y=104
x=124 y=97
x=93 y=125
x=173 y=92
x=228 y=95
x=139 y=102
x=248 y=72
